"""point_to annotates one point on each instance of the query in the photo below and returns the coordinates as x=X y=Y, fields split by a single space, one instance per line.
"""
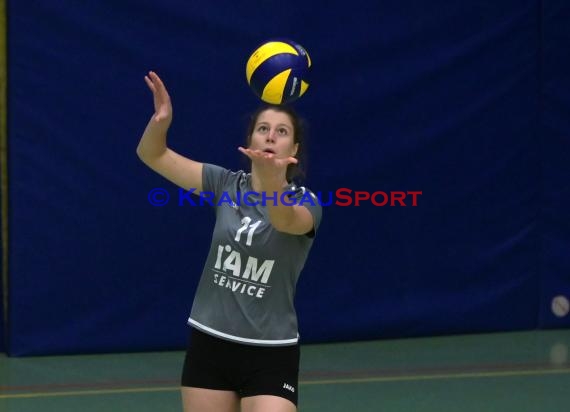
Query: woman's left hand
x=269 y=167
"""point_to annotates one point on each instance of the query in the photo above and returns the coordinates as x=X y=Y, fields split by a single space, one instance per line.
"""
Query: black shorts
x=214 y=363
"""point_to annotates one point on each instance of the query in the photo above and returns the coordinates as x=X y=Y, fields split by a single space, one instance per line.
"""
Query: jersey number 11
x=245 y=223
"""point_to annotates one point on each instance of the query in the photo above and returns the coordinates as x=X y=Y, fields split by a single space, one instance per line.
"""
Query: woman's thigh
x=264 y=403
x=209 y=400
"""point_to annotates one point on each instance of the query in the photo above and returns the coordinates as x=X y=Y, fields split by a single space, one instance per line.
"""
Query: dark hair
x=294 y=171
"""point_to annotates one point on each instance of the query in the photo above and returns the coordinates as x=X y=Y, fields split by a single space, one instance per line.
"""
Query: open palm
x=162 y=104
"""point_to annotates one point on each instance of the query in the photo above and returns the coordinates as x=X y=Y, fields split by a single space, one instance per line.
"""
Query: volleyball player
x=244 y=344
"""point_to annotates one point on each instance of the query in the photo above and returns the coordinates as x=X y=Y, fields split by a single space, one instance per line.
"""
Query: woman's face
x=274 y=133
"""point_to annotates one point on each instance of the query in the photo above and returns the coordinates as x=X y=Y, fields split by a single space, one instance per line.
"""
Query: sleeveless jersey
x=248 y=282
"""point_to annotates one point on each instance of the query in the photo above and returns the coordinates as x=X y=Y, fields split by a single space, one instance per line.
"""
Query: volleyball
x=277 y=71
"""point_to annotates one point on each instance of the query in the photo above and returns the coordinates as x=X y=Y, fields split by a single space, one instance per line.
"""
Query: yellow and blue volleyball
x=277 y=71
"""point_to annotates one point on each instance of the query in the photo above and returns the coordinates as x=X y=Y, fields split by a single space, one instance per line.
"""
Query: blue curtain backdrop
x=555 y=137
x=466 y=102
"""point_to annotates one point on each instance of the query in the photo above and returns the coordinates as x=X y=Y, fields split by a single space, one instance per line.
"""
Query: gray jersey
x=247 y=287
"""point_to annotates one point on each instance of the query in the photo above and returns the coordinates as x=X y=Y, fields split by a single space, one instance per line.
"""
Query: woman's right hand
x=152 y=148
x=162 y=104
